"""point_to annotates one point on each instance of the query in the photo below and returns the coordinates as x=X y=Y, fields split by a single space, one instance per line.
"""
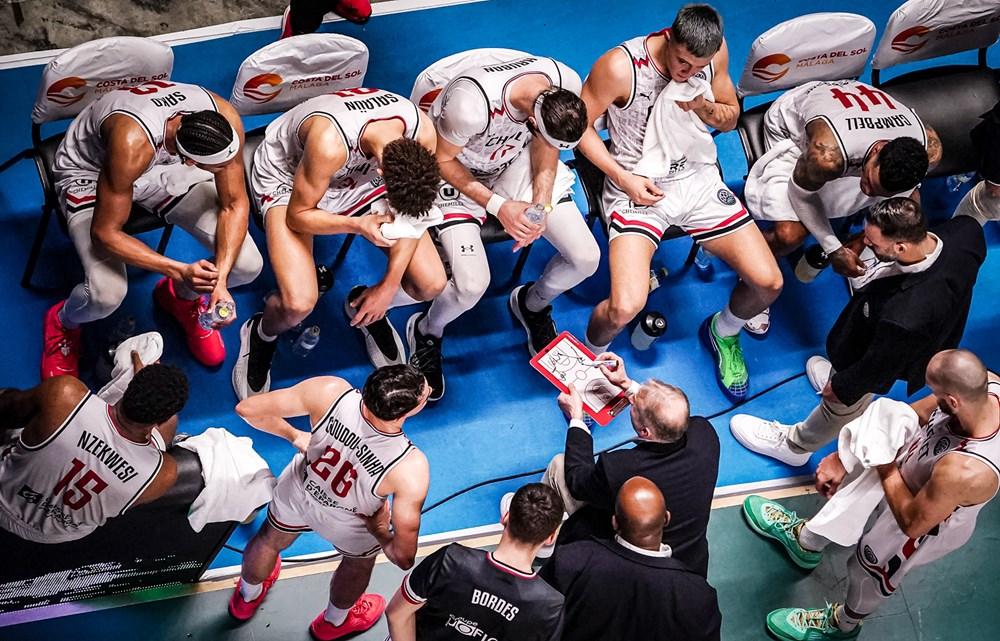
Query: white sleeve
x=462 y=112
x=570 y=79
x=808 y=206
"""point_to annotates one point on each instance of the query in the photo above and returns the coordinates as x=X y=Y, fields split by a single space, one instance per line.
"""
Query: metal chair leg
x=161 y=248
x=691 y=254
x=36 y=247
x=515 y=276
x=342 y=254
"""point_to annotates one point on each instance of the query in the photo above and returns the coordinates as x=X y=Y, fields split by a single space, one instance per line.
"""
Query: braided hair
x=393 y=391
x=204 y=132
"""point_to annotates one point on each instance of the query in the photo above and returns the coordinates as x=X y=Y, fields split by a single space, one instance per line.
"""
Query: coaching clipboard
x=566 y=361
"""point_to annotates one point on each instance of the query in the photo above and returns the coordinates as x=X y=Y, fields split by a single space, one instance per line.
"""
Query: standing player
x=174 y=149
x=79 y=461
x=459 y=593
x=321 y=168
x=933 y=496
x=486 y=118
x=338 y=485
x=624 y=84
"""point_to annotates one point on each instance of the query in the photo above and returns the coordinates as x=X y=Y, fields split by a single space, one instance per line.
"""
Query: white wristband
x=633 y=389
x=494 y=204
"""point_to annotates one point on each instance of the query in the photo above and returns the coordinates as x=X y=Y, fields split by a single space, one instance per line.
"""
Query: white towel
x=406 y=226
x=237 y=479
x=672 y=133
x=150 y=349
x=872 y=439
x=766 y=190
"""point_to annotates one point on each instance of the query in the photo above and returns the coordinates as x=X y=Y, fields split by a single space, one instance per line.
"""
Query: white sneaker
x=769 y=438
x=818 y=371
x=759 y=324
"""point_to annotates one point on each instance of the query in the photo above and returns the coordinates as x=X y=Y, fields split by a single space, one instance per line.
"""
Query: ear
x=614 y=523
x=666 y=518
x=552 y=538
x=505 y=518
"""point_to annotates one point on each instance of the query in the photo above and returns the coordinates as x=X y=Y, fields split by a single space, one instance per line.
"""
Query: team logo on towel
x=726 y=197
x=261 y=88
x=909 y=40
x=771 y=68
x=67 y=91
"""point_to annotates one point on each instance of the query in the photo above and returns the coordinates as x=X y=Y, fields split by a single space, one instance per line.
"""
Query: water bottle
x=955 y=182
x=651 y=326
x=657 y=277
x=703 y=264
x=324 y=279
x=222 y=312
x=537 y=213
x=813 y=261
x=306 y=342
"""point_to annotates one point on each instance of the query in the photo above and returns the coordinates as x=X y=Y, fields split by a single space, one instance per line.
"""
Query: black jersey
x=467 y=594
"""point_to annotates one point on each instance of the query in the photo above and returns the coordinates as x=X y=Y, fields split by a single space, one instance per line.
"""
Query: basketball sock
x=727 y=323
x=534 y=301
x=597 y=349
x=402 y=299
x=335 y=615
x=262 y=335
x=250 y=591
x=846 y=622
x=810 y=540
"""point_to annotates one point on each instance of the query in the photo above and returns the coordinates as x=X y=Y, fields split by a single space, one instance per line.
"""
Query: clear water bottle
x=703 y=264
x=306 y=342
x=813 y=261
x=651 y=326
x=222 y=312
x=955 y=182
x=657 y=277
x=536 y=213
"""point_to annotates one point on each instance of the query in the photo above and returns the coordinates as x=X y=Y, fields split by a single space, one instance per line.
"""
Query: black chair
x=140 y=221
x=750 y=127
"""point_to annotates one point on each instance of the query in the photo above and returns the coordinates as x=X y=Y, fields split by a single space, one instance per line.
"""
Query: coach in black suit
x=677 y=452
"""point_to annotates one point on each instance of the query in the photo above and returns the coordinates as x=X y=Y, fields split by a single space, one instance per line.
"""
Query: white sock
x=264 y=336
x=62 y=319
x=402 y=299
x=250 y=591
x=534 y=301
x=845 y=622
x=727 y=323
x=810 y=540
x=597 y=349
x=335 y=615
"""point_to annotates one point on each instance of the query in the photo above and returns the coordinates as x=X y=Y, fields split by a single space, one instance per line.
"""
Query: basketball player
x=459 y=593
x=624 y=84
x=173 y=149
x=320 y=170
x=337 y=486
x=933 y=495
x=79 y=461
x=837 y=147
x=500 y=130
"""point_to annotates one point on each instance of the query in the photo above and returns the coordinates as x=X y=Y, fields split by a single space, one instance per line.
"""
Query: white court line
x=200 y=34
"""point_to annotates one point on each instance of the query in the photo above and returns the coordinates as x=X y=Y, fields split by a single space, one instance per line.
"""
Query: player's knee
x=768 y=284
x=471 y=286
x=624 y=307
x=789 y=236
x=586 y=259
x=106 y=298
x=429 y=288
x=298 y=304
x=248 y=266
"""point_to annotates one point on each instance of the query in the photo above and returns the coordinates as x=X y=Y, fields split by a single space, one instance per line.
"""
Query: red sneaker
x=60 y=346
x=363 y=615
x=205 y=344
x=241 y=609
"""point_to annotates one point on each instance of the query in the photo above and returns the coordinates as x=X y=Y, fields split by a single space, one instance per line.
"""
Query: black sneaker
x=425 y=355
x=382 y=343
x=252 y=372
x=539 y=326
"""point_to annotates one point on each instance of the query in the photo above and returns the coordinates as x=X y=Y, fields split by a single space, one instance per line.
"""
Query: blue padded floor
x=498 y=417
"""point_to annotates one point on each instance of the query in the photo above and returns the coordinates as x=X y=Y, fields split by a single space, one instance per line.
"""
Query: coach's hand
x=639 y=189
x=616 y=374
x=372 y=304
x=201 y=276
x=368 y=226
x=511 y=216
x=571 y=404
x=829 y=475
x=846 y=262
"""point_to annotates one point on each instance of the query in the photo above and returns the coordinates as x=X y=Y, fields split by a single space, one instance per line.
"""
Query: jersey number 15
x=83 y=488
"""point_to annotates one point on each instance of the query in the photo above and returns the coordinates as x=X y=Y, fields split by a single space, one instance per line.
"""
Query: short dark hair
x=899 y=219
x=535 y=512
x=411 y=176
x=393 y=390
x=564 y=114
x=156 y=393
x=902 y=164
x=699 y=28
x=204 y=132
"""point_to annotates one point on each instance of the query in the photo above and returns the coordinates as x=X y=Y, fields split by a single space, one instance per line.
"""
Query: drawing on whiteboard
x=573 y=367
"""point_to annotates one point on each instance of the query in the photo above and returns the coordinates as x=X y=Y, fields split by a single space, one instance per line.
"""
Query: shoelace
x=427 y=356
x=361 y=607
x=786 y=521
x=771 y=431
x=735 y=365
x=540 y=324
x=815 y=619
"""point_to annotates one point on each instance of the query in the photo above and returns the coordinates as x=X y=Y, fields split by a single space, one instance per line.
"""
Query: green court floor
x=953 y=599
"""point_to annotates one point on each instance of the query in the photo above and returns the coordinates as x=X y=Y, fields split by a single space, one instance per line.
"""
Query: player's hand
x=615 y=374
x=221 y=295
x=301 y=441
x=694 y=104
x=137 y=363
x=846 y=262
x=372 y=304
x=202 y=276
x=639 y=189
x=369 y=227
x=511 y=216
x=571 y=404
x=378 y=524
x=829 y=475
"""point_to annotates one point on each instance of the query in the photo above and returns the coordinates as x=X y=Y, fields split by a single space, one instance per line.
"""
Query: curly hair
x=393 y=391
x=564 y=114
x=902 y=164
x=205 y=132
x=411 y=177
x=535 y=512
x=155 y=394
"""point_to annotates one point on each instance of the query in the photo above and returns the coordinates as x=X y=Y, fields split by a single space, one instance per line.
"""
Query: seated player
x=500 y=130
x=174 y=149
x=306 y=16
x=624 y=84
x=322 y=168
x=79 y=461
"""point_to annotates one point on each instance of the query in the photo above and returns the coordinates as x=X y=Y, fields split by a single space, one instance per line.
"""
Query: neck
x=649 y=542
x=134 y=433
x=170 y=133
x=919 y=252
x=379 y=134
x=524 y=92
x=981 y=419
x=515 y=554
x=390 y=427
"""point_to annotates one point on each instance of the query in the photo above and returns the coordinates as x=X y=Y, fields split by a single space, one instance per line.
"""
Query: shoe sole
x=753 y=526
x=515 y=313
x=241 y=386
x=411 y=342
x=704 y=333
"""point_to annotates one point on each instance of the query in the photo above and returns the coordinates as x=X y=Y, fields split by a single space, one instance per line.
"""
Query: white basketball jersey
x=859 y=115
x=627 y=124
x=69 y=485
x=348 y=457
x=505 y=135
x=938 y=440
x=150 y=104
x=350 y=111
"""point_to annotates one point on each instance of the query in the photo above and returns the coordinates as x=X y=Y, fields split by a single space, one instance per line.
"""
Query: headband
x=561 y=145
x=218 y=158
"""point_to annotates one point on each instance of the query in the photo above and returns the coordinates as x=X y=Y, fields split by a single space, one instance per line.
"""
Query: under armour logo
x=467 y=249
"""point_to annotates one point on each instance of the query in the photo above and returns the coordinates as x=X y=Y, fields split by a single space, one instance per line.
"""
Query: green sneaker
x=770 y=519
x=730 y=368
x=796 y=624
